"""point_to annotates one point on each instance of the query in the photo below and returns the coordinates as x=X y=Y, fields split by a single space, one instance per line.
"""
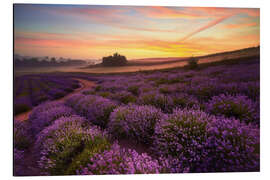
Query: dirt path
x=84 y=84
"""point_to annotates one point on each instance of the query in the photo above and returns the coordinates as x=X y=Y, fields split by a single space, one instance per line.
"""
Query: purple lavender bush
x=238 y=106
x=183 y=100
x=134 y=122
x=232 y=147
x=124 y=97
x=134 y=89
x=61 y=144
x=194 y=141
x=18 y=156
x=164 y=102
x=44 y=115
x=22 y=138
x=117 y=160
x=95 y=108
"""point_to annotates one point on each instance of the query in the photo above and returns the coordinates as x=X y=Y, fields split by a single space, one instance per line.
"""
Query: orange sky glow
x=91 y=32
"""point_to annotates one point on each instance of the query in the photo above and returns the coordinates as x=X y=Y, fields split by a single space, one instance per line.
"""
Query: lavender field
x=31 y=90
x=179 y=120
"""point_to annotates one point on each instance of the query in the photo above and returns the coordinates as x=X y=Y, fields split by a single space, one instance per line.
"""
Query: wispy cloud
x=242 y=25
x=207 y=26
x=161 y=12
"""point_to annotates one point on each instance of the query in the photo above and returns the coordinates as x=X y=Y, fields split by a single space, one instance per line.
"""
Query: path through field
x=84 y=84
x=30 y=167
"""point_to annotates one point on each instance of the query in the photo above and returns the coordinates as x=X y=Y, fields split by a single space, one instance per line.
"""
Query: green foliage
x=104 y=94
x=128 y=99
x=21 y=138
x=158 y=100
x=98 y=88
x=134 y=90
x=115 y=60
x=98 y=145
x=164 y=90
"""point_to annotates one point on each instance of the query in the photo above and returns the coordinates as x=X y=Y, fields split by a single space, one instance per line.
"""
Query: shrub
x=133 y=121
x=124 y=97
x=134 y=90
x=18 y=162
x=250 y=89
x=105 y=94
x=98 y=88
x=115 y=60
x=121 y=161
x=238 y=106
x=22 y=138
x=168 y=81
x=232 y=147
x=74 y=100
x=44 y=114
x=97 y=146
x=194 y=141
x=193 y=63
x=204 y=88
x=156 y=99
x=182 y=100
x=164 y=90
x=43 y=107
x=181 y=137
x=61 y=143
x=95 y=108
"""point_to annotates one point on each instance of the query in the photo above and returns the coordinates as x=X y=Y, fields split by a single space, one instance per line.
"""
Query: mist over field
x=141 y=64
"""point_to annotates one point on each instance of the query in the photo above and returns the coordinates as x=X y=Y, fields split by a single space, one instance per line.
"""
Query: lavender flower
x=95 y=108
x=238 y=106
x=194 y=141
x=133 y=121
x=164 y=102
x=18 y=156
x=120 y=161
x=44 y=115
x=61 y=142
x=22 y=138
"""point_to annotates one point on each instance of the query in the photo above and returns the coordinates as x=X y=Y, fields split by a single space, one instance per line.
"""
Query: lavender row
x=34 y=90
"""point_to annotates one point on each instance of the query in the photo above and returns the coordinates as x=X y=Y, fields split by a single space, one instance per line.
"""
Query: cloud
x=161 y=12
x=217 y=11
x=207 y=26
x=243 y=25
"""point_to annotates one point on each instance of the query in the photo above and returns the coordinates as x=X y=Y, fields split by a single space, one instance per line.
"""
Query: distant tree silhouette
x=193 y=63
x=53 y=60
x=45 y=62
x=115 y=60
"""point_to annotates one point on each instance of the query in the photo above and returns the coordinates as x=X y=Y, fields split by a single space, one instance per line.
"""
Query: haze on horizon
x=87 y=31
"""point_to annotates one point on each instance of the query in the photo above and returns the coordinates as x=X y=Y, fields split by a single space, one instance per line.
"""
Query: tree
x=193 y=63
x=115 y=60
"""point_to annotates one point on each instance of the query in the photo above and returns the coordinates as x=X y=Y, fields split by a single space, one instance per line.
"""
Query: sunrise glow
x=137 y=32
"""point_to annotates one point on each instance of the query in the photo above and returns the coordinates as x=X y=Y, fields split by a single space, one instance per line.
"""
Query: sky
x=92 y=32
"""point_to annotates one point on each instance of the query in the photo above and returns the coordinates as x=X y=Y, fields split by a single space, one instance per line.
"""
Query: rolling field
x=175 y=120
x=31 y=90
